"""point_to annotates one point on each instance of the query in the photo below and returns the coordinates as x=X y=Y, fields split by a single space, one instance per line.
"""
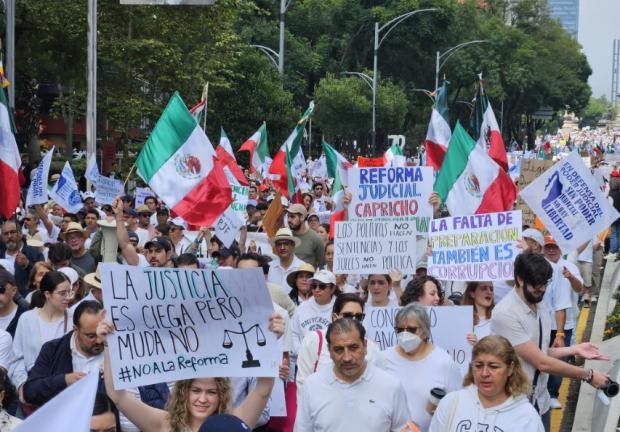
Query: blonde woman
x=192 y=401
x=495 y=396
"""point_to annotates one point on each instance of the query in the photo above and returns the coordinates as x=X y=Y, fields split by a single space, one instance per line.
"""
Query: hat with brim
x=73 y=227
x=325 y=276
x=284 y=234
x=550 y=241
x=93 y=279
x=534 y=234
x=70 y=273
x=307 y=192
x=159 y=242
x=305 y=267
x=33 y=242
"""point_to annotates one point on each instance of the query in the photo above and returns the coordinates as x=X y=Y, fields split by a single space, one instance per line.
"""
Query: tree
x=594 y=112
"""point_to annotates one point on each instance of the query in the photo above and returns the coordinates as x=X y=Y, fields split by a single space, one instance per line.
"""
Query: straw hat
x=305 y=267
x=94 y=279
x=284 y=234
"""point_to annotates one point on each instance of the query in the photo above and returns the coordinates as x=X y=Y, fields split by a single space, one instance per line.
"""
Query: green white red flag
x=439 y=133
x=470 y=182
x=179 y=164
x=485 y=124
x=227 y=157
x=258 y=148
x=10 y=161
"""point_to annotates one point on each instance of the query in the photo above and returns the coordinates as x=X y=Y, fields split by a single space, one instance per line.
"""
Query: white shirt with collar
x=513 y=319
x=80 y=362
x=277 y=274
x=374 y=402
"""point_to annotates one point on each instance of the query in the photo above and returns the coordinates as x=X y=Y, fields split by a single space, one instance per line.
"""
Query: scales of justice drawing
x=249 y=362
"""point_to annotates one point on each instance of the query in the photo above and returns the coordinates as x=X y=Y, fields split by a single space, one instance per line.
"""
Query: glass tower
x=567 y=12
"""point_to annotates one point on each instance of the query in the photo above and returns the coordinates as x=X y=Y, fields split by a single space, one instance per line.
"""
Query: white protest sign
x=37 y=191
x=108 y=188
x=65 y=192
x=392 y=193
x=142 y=194
x=478 y=247
x=173 y=324
x=258 y=242
x=570 y=204
x=367 y=247
x=449 y=328
x=230 y=222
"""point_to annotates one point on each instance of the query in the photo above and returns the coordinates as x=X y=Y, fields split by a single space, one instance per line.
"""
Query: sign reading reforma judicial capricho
x=478 y=247
x=173 y=324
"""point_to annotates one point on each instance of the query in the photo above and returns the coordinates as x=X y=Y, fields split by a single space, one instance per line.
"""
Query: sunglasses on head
x=321 y=286
x=351 y=315
x=412 y=330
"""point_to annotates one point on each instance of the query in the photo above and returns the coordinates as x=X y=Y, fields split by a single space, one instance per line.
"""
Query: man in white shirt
x=286 y=261
x=353 y=395
x=177 y=236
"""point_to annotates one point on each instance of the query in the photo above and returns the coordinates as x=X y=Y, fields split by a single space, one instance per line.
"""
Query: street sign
x=543 y=113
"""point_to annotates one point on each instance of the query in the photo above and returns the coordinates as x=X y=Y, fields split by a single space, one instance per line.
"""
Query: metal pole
x=374 y=91
x=437 y=71
x=91 y=114
x=281 y=57
x=10 y=49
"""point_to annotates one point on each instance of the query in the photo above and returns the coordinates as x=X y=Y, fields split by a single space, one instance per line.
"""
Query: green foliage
x=594 y=112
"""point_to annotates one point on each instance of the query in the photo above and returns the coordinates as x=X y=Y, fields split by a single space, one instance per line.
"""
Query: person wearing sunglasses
x=420 y=364
x=315 y=313
x=313 y=353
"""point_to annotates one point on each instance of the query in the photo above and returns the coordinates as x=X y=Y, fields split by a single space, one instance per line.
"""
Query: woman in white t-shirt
x=495 y=396
x=418 y=364
x=39 y=325
x=425 y=290
x=480 y=296
x=380 y=293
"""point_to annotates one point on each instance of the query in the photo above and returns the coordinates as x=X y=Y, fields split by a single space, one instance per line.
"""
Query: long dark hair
x=103 y=405
x=49 y=283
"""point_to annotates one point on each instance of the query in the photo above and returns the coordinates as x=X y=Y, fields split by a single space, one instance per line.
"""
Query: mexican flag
x=470 y=182
x=199 y=111
x=10 y=161
x=227 y=157
x=283 y=166
x=337 y=166
x=258 y=148
x=394 y=156
x=438 y=134
x=485 y=124
x=179 y=164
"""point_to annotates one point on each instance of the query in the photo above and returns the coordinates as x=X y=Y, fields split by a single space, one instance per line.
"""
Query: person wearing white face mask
x=419 y=364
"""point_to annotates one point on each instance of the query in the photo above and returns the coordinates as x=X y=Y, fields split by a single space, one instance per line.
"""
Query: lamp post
x=273 y=56
x=372 y=81
x=428 y=93
x=442 y=58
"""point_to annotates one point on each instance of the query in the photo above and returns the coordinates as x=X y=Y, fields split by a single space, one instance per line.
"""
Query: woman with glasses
x=313 y=353
x=418 y=363
x=480 y=296
x=39 y=325
x=495 y=397
x=315 y=313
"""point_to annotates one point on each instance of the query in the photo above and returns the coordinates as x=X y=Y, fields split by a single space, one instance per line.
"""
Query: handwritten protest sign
x=142 y=194
x=230 y=222
x=108 y=188
x=449 y=328
x=570 y=204
x=173 y=324
x=474 y=248
x=531 y=169
x=365 y=247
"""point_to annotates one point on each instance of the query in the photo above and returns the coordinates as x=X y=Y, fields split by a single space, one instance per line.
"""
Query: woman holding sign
x=420 y=365
x=192 y=401
x=495 y=396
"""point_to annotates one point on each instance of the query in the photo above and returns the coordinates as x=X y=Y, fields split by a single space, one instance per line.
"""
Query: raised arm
x=127 y=249
x=145 y=417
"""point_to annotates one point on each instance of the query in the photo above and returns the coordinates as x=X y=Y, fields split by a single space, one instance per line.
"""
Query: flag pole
x=205 y=95
x=133 y=167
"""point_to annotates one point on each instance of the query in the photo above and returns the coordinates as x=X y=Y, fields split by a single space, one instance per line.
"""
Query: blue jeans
x=553 y=385
x=614 y=239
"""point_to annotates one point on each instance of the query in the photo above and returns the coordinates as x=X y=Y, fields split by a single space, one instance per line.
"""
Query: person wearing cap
x=286 y=262
x=224 y=423
x=354 y=395
x=314 y=223
x=144 y=220
x=177 y=236
x=523 y=318
x=22 y=256
x=311 y=248
x=158 y=250
x=130 y=216
x=315 y=313
x=75 y=236
x=162 y=216
x=561 y=295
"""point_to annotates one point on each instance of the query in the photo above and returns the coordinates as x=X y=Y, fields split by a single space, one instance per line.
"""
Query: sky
x=599 y=25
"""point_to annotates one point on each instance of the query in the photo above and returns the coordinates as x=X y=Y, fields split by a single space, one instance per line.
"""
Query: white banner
x=37 y=191
x=368 y=247
x=142 y=194
x=479 y=247
x=108 y=188
x=230 y=222
x=172 y=324
x=449 y=328
x=92 y=172
x=570 y=204
x=259 y=243
x=65 y=192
